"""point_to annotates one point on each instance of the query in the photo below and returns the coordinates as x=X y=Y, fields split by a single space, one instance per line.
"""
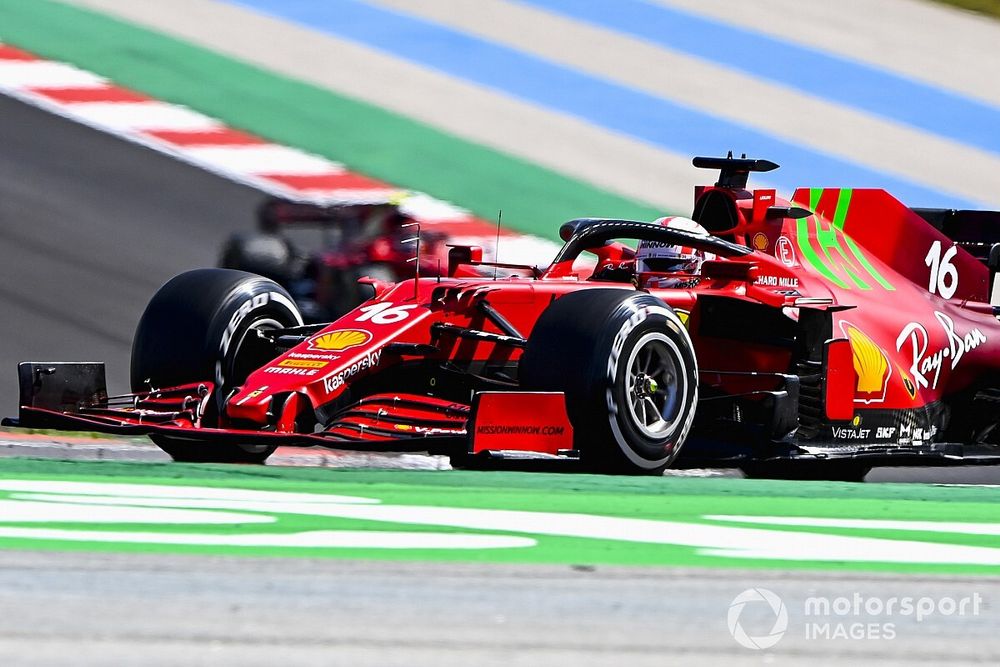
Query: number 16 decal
x=384 y=313
x=944 y=275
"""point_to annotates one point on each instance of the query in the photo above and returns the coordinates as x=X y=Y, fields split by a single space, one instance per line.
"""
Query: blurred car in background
x=319 y=252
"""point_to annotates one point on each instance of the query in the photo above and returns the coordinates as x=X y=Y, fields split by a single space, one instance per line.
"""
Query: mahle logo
x=755 y=596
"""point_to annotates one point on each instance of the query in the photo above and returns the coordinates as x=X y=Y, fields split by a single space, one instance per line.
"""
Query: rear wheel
x=268 y=255
x=200 y=327
x=628 y=369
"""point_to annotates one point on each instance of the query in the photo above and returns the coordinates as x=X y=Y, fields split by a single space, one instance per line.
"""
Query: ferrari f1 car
x=830 y=333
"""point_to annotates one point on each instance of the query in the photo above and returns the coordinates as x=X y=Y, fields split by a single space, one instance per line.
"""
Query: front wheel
x=629 y=373
x=200 y=326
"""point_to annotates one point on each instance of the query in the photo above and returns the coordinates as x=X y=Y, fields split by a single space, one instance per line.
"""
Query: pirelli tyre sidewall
x=595 y=346
x=196 y=328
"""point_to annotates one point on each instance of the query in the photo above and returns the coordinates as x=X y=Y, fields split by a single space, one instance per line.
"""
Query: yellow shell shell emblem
x=341 y=339
x=870 y=363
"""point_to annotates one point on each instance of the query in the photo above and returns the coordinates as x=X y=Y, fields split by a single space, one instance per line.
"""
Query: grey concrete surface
x=167 y=610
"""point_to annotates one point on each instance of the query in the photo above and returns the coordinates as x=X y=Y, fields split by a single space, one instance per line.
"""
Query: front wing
x=73 y=396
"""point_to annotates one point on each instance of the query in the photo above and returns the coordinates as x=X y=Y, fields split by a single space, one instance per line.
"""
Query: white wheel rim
x=656 y=386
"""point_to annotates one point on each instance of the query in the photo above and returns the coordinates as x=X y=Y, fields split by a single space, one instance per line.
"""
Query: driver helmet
x=660 y=257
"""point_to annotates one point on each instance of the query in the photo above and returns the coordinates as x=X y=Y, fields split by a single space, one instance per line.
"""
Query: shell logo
x=341 y=339
x=870 y=363
x=760 y=241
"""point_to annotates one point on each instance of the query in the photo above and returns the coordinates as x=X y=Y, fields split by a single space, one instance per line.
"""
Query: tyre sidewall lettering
x=245 y=308
x=253 y=305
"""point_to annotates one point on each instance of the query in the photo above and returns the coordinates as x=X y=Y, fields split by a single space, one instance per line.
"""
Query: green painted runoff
x=685 y=505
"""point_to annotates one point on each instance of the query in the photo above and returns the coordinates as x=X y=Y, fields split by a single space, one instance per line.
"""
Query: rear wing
x=978 y=232
x=857 y=225
x=276 y=213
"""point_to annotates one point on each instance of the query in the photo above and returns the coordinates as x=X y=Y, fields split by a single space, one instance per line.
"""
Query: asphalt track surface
x=90 y=227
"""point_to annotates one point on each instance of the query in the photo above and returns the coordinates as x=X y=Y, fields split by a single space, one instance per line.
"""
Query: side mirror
x=463 y=254
x=779 y=212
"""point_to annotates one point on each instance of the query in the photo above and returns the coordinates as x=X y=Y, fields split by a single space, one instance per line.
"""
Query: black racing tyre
x=830 y=471
x=195 y=329
x=268 y=255
x=629 y=372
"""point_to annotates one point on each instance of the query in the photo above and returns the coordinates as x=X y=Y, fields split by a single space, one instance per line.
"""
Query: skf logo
x=341 y=339
x=302 y=363
x=870 y=364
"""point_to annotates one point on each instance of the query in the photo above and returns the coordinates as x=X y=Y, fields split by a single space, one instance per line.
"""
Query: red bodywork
x=879 y=320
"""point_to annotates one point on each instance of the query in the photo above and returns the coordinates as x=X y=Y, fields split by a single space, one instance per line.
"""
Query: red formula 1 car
x=830 y=333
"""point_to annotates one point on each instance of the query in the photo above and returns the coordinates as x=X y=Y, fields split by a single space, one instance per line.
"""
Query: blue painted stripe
x=604 y=103
x=818 y=73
